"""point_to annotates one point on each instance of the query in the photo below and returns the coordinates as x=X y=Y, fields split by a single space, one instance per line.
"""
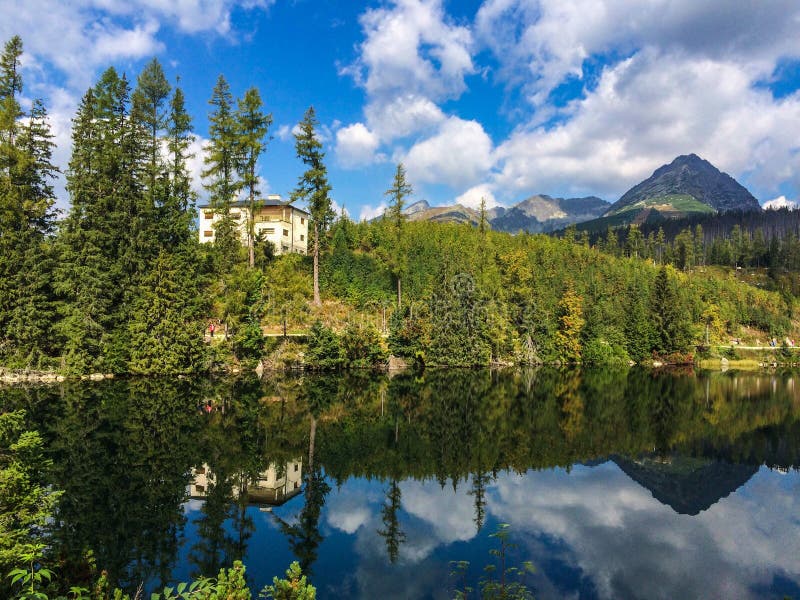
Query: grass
x=670 y=203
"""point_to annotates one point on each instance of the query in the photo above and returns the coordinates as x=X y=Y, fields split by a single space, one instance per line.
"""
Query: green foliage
x=363 y=347
x=570 y=325
x=313 y=187
x=293 y=587
x=324 y=351
x=26 y=502
x=459 y=323
x=408 y=337
x=501 y=579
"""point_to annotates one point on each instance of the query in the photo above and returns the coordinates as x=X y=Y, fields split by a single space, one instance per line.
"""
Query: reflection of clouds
x=448 y=513
x=629 y=545
x=349 y=510
x=431 y=517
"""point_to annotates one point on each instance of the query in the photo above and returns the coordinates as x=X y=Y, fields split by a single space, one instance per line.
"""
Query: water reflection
x=273 y=486
x=617 y=484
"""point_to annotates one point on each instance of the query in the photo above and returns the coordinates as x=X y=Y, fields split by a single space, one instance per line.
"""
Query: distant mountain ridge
x=688 y=184
x=536 y=214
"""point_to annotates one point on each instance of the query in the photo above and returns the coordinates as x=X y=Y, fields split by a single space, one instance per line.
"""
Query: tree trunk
x=399 y=294
x=317 y=301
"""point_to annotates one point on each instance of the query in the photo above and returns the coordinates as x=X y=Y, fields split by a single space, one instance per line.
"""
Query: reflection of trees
x=123 y=450
x=122 y=455
x=391 y=531
x=304 y=535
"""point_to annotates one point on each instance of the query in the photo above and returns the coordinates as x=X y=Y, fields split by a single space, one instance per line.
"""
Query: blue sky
x=498 y=99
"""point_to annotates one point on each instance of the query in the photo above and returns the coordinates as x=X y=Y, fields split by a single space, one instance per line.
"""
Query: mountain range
x=688 y=185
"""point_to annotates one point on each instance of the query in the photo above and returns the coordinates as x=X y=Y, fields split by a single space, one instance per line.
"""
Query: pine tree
x=166 y=327
x=671 y=322
x=252 y=126
x=177 y=213
x=397 y=194
x=26 y=219
x=313 y=186
x=149 y=107
x=570 y=325
x=220 y=162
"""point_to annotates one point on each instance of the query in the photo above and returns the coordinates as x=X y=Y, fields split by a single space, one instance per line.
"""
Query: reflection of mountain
x=688 y=485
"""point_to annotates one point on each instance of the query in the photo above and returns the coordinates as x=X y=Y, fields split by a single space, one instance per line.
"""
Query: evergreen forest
x=120 y=284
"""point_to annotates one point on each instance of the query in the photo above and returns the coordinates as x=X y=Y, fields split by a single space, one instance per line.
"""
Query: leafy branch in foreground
x=501 y=580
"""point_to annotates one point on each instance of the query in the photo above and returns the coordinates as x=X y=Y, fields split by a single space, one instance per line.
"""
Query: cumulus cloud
x=412 y=47
x=412 y=58
x=356 y=145
x=473 y=196
x=645 y=111
x=459 y=154
x=780 y=202
x=370 y=212
x=539 y=43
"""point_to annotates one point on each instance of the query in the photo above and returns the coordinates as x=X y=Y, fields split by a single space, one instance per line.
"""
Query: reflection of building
x=279 y=222
x=274 y=486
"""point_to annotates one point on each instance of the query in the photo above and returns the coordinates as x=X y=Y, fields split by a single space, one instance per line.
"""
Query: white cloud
x=370 y=212
x=413 y=56
x=459 y=154
x=411 y=47
x=645 y=111
x=473 y=196
x=780 y=202
x=112 y=42
x=539 y=43
x=195 y=166
x=620 y=538
x=402 y=116
x=356 y=145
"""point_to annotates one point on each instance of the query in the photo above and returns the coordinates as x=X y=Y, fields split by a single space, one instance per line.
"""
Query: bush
x=363 y=346
x=324 y=351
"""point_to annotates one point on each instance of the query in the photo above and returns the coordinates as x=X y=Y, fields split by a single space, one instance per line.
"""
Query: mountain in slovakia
x=542 y=213
x=537 y=214
x=689 y=184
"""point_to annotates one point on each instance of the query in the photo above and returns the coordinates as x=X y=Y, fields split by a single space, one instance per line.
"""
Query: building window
x=235 y=215
x=208 y=214
x=302 y=221
x=285 y=233
x=296 y=467
x=269 y=230
x=302 y=238
x=208 y=233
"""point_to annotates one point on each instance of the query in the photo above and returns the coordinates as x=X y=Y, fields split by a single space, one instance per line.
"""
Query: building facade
x=279 y=222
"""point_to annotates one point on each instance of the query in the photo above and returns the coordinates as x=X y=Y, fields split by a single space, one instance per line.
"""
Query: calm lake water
x=626 y=484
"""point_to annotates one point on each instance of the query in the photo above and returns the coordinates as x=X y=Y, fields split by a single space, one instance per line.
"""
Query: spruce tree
x=252 y=126
x=177 y=213
x=26 y=220
x=150 y=108
x=166 y=328
x=220 y=162
x=313 y=186
x=397 y=194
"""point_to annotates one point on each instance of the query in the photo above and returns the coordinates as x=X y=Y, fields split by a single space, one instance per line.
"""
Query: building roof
x=268 y=201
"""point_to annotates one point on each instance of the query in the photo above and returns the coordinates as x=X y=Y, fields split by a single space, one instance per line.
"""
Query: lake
x=612 y=484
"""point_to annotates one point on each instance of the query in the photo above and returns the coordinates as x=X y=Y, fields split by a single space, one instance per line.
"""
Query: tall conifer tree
x=397 y=194
x=252 y=126
x=26 y=219
x=220 y=162
x=313 y=186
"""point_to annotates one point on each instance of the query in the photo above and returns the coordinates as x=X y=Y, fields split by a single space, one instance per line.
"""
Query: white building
x=283 y=224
